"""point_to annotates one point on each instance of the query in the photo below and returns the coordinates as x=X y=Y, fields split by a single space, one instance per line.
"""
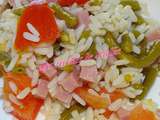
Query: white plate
x=154 y=9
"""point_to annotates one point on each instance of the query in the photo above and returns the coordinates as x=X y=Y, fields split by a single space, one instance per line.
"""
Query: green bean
x=65 y=37
x=19 y=69
x=4 y=57
x=151 y=74
x=139 y=62
x=92 y=49
x=133 y=3
x=68 y=68
x=126 y=44
x=143 y=46
x=136 y=33
x=85 y=34
x=96 y=2
x=66 y=115
x=60 y=13
x=140 y=20
x=18 y=11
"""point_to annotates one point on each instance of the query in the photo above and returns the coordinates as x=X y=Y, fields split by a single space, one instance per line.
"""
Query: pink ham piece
x=71 y=82
x=123 y=114
x=89 y=73
x=42 y=89
x=83 y=17
x=154 y=35
x=47 y=70
x=63 y=95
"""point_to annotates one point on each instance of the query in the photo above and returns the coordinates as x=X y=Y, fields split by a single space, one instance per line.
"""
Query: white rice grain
x=115 y=105
x=12 y=63
x=7 y=106
x=121 y=62
x=14 y=100
x=13 y=87
x=30 y=37
x=24 y=93
x=136 y=49
x=79 y=99
x=89 y=62
x=93 y=92
x=90 y=114
x=32 y=29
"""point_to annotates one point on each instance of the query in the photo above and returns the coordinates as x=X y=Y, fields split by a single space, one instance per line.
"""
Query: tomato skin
x=81 y=2
x=140 y=113
x=42 y=19
x=31 y=104
x=66 y=2
x=94 y=101
x=70 y=2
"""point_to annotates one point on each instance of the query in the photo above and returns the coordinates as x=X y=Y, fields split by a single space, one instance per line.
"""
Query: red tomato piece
x=70 y=2
x=41 y=17
x=95 y=101
x=81 y=2
x=66 y=2
x=31 y=104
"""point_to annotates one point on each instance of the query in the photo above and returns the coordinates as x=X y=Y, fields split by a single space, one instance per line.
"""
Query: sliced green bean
x=139 y=62
x=85 y=34
x=151 y=74
x=96 y=2
x=136 y=33
x=140 y=20
x=18 y=11
x=133 y=3
x=143 y=46
x=126 y=44
x=60 y=13
x=4 y=57
x=66 y=115
x=68 y=68
x=65 y=37
x=19 y=69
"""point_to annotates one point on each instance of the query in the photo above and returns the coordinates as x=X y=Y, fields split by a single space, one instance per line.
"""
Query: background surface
x=154 y=11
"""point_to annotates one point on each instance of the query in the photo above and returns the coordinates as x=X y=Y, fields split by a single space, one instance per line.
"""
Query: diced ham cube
x=71 y=82
x=83 y=17
x=123 y=114
x=42 y=89
x=89 y=73
x=63 y=95
x=47 y=70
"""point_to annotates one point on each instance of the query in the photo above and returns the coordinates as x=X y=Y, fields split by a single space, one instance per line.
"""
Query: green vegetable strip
x=133 y=3
x=18 y=11
x=151 y=74
x=4 y=57
x=139 y=62
x=66 y=115
x=60 y=13
x=126 y=44
x=96 y=2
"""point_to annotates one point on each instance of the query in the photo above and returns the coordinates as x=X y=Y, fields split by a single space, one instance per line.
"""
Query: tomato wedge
x=31 y=104
x=70 y=2
x=41 y=19
x=139 y=113
x=95 y=101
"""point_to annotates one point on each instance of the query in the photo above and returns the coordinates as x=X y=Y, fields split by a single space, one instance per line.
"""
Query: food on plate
x=78 y=60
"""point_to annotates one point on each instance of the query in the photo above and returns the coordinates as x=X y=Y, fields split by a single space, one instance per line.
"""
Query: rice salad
x=78 y=59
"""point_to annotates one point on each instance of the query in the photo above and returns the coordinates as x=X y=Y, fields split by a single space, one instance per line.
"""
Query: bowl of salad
x=79 y=60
